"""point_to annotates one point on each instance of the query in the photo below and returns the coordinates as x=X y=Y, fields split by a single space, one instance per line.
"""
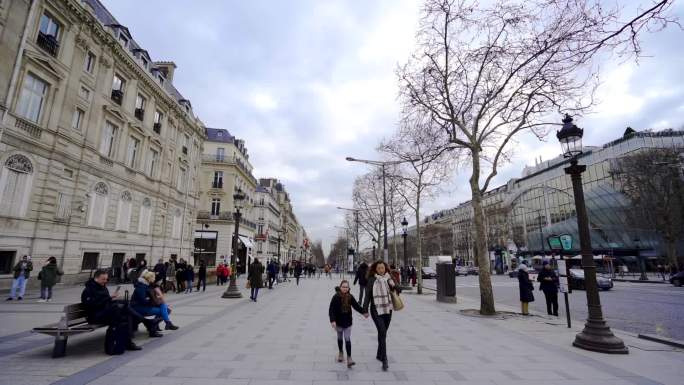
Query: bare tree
x=653 y=181
x=422 y=148
x=486 y=73
x=367 y=199
x=317 y=252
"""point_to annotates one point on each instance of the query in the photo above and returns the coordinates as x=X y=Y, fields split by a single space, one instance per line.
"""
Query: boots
x=350 y=362
x=340 y=357
x=170 y=326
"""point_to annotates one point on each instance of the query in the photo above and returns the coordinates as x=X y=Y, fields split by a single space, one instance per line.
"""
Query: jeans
x=45 y=292
x=188 y=286
x=203 y=282
x=382 y=323
x=18 y=283
x=551 y=302
x=161 y=310
x=255 y=292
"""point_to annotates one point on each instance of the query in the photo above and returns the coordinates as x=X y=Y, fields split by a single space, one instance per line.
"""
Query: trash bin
x=446 y=282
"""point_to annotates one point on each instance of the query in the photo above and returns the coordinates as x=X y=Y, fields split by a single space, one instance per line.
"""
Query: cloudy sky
x=307 y=83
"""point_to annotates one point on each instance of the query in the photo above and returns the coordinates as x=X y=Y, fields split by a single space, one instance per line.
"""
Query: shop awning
x=248 y=244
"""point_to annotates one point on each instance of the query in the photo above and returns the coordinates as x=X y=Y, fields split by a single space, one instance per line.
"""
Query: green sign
x=566 y=241
x=554 y=243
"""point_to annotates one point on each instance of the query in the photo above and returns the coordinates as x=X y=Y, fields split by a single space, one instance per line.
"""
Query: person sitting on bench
x=148 y=300
x=102 y=308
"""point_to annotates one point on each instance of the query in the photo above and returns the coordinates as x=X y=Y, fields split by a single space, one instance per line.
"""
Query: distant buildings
x=101 y=158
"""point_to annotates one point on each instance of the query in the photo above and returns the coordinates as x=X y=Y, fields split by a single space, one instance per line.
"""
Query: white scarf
x=381 y=295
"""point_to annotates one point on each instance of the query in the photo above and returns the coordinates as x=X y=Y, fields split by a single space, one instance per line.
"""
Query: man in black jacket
x=362 y=279
x=101 y=307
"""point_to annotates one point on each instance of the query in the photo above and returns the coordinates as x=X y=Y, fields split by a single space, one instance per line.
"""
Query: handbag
x=248 y=285
x=397 y=303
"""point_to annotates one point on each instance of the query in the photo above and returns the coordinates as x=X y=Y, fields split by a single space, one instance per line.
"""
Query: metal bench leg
x=59 y=349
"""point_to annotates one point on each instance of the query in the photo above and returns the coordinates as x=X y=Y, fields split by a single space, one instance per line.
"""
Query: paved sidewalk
x=285 y=338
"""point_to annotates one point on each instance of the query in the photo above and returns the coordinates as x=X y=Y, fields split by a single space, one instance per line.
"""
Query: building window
x=77 y=119
x=48 y=35
x=7 y=261
x=123 y=218
x=145 y=215
x=185 y=140
x=152 y=162
x=157 y=121
x=140 y=107
x=123 y=39
x=215 y=206
x=144 y=62
x=220 y=154
x=107 y=144
x=118 y=86
x=84 y=93
x=32 y=98
x=260 y=229
x=98 y=205
x=15 y=185
x=218 y=180
x=177 y=224
x=63 y=206
x=89 y=65
x=90 y=261
x=133 y=146
x=182 y=176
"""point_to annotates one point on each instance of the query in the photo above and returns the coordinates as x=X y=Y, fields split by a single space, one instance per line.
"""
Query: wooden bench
x=73 y=322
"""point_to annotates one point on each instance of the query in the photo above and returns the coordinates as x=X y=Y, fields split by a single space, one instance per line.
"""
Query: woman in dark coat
x=526 y=289
x=256 y=270
x=378 y=300
x=549 y=285
x=48 y=278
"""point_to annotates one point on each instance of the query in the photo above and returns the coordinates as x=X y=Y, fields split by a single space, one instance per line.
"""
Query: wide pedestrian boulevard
x=285 y=338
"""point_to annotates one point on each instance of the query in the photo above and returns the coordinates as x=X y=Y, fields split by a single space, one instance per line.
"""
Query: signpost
x=562 y=243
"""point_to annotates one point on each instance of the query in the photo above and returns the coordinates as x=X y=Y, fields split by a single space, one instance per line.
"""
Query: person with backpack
x=48 y=276
x=202 y=276
x=22 y=272
x=340 y=314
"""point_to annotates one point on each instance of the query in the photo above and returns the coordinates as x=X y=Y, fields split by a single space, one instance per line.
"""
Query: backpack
x=116 y=339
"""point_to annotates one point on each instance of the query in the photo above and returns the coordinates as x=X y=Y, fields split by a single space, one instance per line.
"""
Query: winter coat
x=256 y=270
x=298 y=270
x=95 y=298
x=160 y=271
x=548 y=286
x=48 y=274
x=272 y=268
x=202 y=272
x=526 y=287
x=171 y=270
x=189 y=274
x=368 y=300
x=342 y=319
x=142 y=296
x=361 y=275
x=27 y=269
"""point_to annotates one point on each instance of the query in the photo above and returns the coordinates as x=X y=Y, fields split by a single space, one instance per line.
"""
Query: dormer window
x=48 y=34
x=123 y=39
x=161 y=80
x=144 y=62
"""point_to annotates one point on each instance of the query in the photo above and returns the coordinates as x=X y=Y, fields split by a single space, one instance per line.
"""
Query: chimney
x=167 y=68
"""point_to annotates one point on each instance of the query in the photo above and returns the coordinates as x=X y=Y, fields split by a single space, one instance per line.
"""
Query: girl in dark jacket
x=340 y=313
x=378 y=298
x=189 y=278
x=526 y=289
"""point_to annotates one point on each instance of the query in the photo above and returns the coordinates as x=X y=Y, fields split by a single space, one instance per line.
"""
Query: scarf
x=381 y=295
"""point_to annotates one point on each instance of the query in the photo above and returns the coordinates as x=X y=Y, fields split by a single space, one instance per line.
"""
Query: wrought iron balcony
x=117 y=96
x=48 y=43
x=139 y=113
x=157 y=128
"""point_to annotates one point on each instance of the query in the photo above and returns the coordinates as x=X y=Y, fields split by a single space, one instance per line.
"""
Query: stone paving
x=285 y=338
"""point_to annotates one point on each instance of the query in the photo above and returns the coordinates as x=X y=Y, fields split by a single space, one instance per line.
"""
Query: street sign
x=562 y=276
x=554 y=243
x=566 y=241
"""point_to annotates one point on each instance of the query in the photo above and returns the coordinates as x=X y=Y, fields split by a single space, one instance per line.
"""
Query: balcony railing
x=217 y=185
x=139 y=113
x=117 y=96
x=48 y=43
x=30 y=128
x=157 y=128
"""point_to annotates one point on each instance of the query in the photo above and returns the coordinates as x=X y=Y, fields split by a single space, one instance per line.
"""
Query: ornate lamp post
x=232 y=290
x=596 y=335
x=374 y=241
x=404 y=277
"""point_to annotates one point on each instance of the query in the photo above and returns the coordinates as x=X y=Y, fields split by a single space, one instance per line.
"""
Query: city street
x=633 y=307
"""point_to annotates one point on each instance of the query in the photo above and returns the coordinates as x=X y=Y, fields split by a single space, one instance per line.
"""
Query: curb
x=662 y=340
x=638 y=281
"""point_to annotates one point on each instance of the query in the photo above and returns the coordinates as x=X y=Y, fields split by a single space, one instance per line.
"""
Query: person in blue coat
x=147 y=300
x=526 y=289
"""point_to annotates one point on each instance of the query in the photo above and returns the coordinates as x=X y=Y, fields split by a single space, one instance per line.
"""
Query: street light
x=596 y=335
x=382 y=164
x=374 y=241
x=356 y=230
x=404 y=277
x=232 y=290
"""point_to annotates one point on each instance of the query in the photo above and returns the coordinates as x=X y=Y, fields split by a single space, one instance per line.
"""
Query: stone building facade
x=99 y=152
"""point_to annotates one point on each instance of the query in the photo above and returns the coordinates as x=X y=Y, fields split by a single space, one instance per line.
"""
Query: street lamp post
x=374 y=241
x=596 y=335
x=232 y=291
x=404 y=277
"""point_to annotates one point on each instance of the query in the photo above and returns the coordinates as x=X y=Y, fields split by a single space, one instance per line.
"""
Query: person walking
x=271 y=272
x=286 y=269
x=256 y=270
x=160 y=272
x=189 y=274
x=181 y=266
x=549 y=285
x=340 y=314
x=202 y=276
x=48 y=278
x=379 y=301
x=298 y=271
x=171 y=275
x=414 y=276
x=22 y=272
x=526 y=289
x=361 y=278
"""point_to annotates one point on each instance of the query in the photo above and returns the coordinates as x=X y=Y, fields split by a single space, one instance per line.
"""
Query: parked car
x=461 y=270
x=429 y=272
x=473 y=270
x=577 y=280
x=677 y=279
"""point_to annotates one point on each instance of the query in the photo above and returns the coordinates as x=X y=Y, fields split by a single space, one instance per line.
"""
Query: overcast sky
x=307 y=83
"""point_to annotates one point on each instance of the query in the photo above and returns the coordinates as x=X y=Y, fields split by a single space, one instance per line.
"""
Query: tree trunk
x=482 y=255
x=672 y=253
x=419 y=251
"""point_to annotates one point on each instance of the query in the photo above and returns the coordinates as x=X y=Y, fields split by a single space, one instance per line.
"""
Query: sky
x=307 y=83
